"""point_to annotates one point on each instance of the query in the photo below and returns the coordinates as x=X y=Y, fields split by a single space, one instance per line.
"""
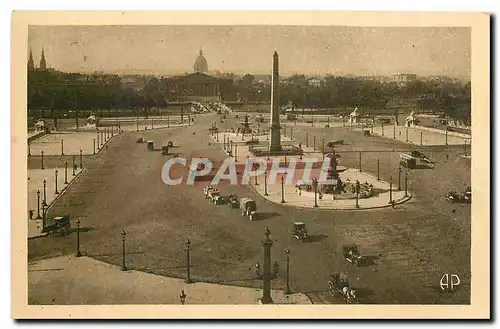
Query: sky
x=311 y=50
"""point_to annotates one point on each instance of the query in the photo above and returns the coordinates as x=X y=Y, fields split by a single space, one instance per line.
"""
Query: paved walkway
x=68 y=280
x=70 y=143
x=294 y=197
x=381 y=198
x=35 y=183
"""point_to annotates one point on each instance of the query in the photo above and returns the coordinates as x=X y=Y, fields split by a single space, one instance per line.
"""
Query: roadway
x=411 y=246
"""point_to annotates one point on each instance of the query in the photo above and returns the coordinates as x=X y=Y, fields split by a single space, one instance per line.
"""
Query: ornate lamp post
x=394 y=131
x=78 y=253
x=56 y=172
x=74 y=165
x=44 y=192
x=446 y=137
x=94 y=145
x=188 y=249
x=266 y=291
x=406 y=183
x=399 y=178
x=421 y=133
x=357 y=193
x=287 y=257
x=282 y=189
x=62 y=147
x=42 y=161
x=124 y=236
x=182 y=297
x=315 y=186
x=81 y=160
x=44 y=217
x=38 y=203
x=235 y=153
x=382 y=128
x=378 y=169
x=314 y=143
x=265 y=184
x=98 y=141
x=390 y=190
x=65 y=172
x=360 y=170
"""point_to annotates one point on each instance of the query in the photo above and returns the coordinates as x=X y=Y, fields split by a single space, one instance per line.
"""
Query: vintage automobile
x=164 y=149
x=351 y=254
x=233 y=201
x=214 y=196
x=170 y=144
x=300 y=231
x=59 y=226
x=338 y=285
x=407 y=160
x=248 y=208
x=150 y=145
x=454 y=197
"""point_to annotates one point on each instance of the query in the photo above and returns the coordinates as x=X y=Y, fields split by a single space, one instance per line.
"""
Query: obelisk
x=275 y=107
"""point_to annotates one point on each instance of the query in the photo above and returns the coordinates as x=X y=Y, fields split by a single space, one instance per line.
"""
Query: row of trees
x=64 y=91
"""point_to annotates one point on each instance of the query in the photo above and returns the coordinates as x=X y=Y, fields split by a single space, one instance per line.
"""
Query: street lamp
x=66 y=172
x=188 y=249
x=315 y=186
x=44 y=217
x=360 y=170
x=314 y=143
x=78 y=253
x=42 y=161
x=287 y=257
x=399 y=178
x=38 y=202
x=81 y=160
x=265 y=184
x=406 y=183
x=182 y=297
x=44 y=192
x=124 y=235
x=74 y=165
x=56 y=172
x=390 y=190
x=357 y=193
x=62 y=147
x=282 y=189
x=378 y=169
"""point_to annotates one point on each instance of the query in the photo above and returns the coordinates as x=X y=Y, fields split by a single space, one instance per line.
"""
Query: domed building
x=201 y=64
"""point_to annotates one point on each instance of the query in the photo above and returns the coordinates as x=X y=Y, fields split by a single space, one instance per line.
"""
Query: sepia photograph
x=290 y=163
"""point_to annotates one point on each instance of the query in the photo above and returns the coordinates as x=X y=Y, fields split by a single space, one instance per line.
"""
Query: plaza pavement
x=71 y=142
x=70 y=280
x=305 y=199
x=35 y=183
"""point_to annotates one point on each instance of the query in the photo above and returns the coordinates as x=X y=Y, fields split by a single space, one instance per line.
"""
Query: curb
x=396 y=202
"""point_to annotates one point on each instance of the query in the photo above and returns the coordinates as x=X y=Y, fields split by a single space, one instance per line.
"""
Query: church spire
x=31 y=63
x=43 y=63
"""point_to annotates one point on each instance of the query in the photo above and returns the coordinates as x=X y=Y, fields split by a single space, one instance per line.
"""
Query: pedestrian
x=31 y=211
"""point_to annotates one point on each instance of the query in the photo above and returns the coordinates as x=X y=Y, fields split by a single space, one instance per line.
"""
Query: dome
x=201 y=65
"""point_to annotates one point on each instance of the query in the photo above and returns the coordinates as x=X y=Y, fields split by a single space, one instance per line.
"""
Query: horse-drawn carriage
x=338 y=285
x=300 y=231
x=60 y=226
x=352 y=255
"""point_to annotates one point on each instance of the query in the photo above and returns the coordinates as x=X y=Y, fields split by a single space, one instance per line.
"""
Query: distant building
x=201 y=64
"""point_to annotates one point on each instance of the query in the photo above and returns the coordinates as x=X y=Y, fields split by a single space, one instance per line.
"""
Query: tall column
x=275 y=107
x=266 y=278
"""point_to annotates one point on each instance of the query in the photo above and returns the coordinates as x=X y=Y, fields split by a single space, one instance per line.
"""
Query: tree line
x=51 y=92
